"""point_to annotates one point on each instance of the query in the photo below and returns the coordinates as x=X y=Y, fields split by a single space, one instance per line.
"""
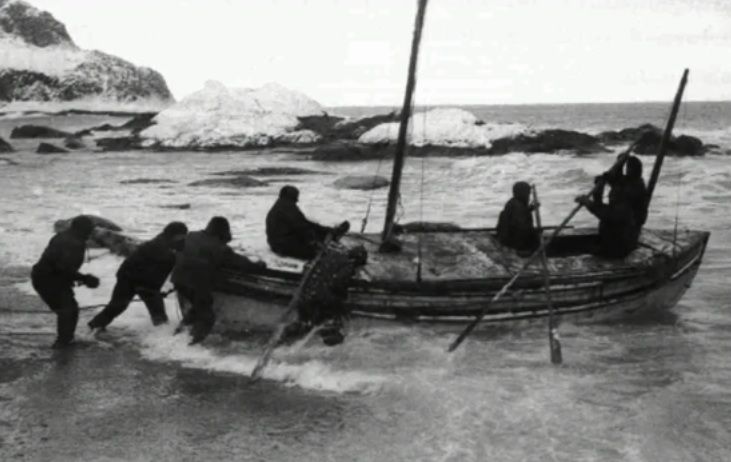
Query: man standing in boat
x=618 y=228
x=55 y=274
x=143 y=273
x=515 y=227
x=204 y=254
x=290 y=233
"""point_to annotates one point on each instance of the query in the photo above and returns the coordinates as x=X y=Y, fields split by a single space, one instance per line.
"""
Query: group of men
x=620 y=219
x=192 y=260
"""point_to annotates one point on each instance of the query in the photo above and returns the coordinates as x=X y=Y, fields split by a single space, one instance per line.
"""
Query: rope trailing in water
x=364 y=222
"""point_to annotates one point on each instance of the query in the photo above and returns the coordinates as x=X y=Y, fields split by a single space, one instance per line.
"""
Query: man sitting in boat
x=143 y=273
x=204 y=254
x=289 y=233
x=618 y=229
x=515 y=227
x=324 y=293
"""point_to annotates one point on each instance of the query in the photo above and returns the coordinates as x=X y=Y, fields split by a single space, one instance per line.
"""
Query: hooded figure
x=618 y=229
x=515 y=225
x=54 y=275
x=635 y=190
x=204 y=254
x=289 y=233
x=143 y=273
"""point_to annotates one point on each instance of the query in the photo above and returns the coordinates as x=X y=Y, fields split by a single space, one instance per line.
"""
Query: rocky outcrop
x=269 y=171
x=122 y=143
x=37 y=131
x=361 y=182
x=648 y=138
x=242 y=181
x=548 y=141
x=331 y=128
x=48 y=148
x=34 y=27
x=42 y=64
x=5 y=146
x=147 y=181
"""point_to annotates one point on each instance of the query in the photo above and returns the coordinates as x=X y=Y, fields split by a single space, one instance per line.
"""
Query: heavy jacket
x=61 y=259
x=288 y=228
x=636 y=195
x=149 y=265
x=202 y=258
x=618 y=229
x=515 y=226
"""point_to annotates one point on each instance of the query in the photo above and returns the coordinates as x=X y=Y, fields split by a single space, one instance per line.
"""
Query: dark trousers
x=197 y=307
x=123 y=293
x=59 y=296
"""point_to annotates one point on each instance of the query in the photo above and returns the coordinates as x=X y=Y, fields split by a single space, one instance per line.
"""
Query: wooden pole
x=666 y=138
x=398 y=163
x=553 y=342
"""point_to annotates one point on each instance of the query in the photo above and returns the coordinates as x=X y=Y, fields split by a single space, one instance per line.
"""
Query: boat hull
x=642 y=290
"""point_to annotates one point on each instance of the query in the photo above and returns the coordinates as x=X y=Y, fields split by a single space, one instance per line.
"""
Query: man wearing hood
x=635 y=190
x=55 y=274
x=515 y=225
x=143 y=273
x=204 y=254
x=290 y=233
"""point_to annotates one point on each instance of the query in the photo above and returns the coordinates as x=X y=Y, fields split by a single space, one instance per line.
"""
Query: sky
x=355 y=52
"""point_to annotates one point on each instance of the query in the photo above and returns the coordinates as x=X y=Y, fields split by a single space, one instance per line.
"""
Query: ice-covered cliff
x=218 y=117
x=41 y=66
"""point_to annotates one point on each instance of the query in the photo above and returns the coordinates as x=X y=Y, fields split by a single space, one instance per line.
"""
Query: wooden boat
x=463 y=270
x=455 y=275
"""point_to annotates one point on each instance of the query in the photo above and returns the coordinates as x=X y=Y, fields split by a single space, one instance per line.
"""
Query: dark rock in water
x=48 y=148
x=269 y=171
x=37 y=131
x=5 y=146
x=147 y=181
x=139 y=122
x=627 y=135
x=176 y=206
x=336 y=128
x=99 y=222
x=548 y=141
x=122 y=143
x=683 y=145
x=344 y=151
x=73 y=142
x=361 y=182
x=233 y=182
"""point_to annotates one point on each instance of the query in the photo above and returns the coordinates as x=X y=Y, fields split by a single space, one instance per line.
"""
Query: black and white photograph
x=365 y=230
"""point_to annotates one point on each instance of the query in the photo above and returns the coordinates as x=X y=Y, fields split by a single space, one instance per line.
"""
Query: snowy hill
x=221 y=117
x=41 y=67
x=444 y=127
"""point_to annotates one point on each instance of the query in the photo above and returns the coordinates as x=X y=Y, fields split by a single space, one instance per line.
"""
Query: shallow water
x=649 y=392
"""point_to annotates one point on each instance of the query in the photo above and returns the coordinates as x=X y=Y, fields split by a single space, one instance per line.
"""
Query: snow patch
x=241 y=117
x=444 y=127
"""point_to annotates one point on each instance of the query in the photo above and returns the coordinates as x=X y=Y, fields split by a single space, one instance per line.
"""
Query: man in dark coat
x=618 y=229
x=289 y=233
x=143 y=273
x=515 y=225
x=204 y=254
x=635 y=190
x=54 y=275
x=324 y=293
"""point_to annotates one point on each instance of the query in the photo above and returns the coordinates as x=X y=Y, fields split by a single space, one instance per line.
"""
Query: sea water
x=645 y=392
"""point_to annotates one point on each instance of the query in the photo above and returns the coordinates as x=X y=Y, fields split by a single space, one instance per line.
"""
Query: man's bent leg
x=155 y=306
x=121 y=297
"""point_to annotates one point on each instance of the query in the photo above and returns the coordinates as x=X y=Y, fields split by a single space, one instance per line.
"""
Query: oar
x=274 y=340
x=621 y=159
x=553 y=342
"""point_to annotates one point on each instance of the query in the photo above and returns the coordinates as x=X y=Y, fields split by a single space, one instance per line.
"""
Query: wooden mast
x=398 y=163
x=666 y=138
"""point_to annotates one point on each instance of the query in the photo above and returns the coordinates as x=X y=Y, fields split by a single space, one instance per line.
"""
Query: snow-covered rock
x=41 y=66
x=221 y=117
x=444 y=127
